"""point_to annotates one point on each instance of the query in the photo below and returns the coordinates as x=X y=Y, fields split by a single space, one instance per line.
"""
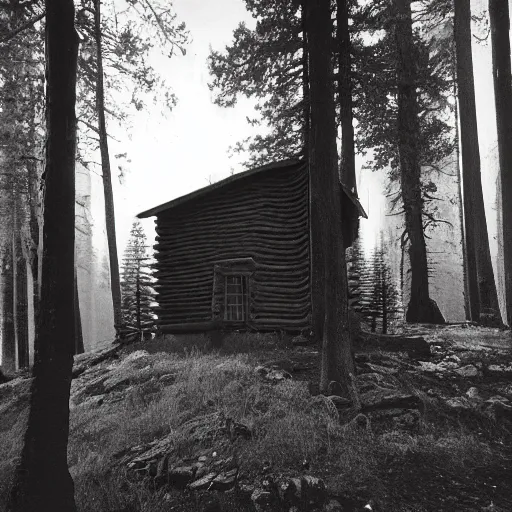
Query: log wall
x=262 y=219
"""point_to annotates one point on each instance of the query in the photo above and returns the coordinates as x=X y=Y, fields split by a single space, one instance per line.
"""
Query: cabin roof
x=240 y=176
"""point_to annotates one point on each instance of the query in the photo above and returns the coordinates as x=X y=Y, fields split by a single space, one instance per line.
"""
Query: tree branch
x=21 y=28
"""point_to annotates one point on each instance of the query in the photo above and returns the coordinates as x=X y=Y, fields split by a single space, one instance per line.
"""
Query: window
x=235 y=298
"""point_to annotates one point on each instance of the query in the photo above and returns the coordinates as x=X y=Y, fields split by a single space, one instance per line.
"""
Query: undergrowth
x=159 y=394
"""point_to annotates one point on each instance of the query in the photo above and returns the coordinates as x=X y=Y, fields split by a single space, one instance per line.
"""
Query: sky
x=188 y=148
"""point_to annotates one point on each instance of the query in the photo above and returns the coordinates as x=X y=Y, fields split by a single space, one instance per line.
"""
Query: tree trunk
x=305 y=83
x=8 y=341
x=79 y=338
x=421 y=307
x=42 y=479
x=22 y=308
x=500 y=27
x=34 y=212
x=348 y=156
x=115 y=281
x=329 y=264
x=467 y=307
x=482 y=288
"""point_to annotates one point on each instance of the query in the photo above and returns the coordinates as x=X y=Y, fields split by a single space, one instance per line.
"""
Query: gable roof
x=240 y=176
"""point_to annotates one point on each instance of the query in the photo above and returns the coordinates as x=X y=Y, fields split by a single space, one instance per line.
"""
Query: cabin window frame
x=242 y=268
x=241 y=305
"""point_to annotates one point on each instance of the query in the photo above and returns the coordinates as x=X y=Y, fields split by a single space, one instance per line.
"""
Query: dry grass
x=287 y=423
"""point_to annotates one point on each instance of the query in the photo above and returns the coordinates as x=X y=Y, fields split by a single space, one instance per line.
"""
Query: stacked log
x=263 y=218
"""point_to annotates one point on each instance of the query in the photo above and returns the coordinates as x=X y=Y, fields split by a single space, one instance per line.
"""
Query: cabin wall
x=261 y=219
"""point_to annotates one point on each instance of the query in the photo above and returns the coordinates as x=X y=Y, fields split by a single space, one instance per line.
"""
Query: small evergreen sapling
x=136 y=288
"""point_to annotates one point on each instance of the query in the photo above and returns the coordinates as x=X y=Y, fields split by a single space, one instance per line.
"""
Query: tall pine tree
x=137 y=292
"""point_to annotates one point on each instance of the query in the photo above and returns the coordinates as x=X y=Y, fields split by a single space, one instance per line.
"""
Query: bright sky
x=176 y=154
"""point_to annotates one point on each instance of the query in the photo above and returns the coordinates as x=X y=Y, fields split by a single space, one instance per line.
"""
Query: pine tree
x=137 y=292
x=380 y=300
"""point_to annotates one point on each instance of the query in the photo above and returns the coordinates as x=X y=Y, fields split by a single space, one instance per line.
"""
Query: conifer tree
x=380 y=301
x=136 y=280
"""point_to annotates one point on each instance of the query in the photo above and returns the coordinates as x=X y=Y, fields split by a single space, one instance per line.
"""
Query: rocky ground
x=430 y=429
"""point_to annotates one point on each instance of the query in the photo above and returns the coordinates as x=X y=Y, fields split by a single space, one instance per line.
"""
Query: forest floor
x=162 y=426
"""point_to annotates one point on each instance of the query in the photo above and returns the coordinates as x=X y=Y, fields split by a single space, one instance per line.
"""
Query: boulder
x=203 y=482
x=468 y=371
x=502 y=371
x=415 y=346
x=388 y=399
x=225 y=480
x=459 y=403
x=180 y=476
x=473 y=394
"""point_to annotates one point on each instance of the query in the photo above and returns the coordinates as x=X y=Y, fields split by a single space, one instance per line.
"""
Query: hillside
x=164 y=426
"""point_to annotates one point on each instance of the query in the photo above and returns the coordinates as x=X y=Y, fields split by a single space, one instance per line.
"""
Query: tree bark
x=467 y=307
x=305 y=83
x=21 y=306
x=421 y=307
x=79 y=338
x=329 y=264
x=500 y=27
x=8 y=341
x=115 y=281
x=42 y=479
x=348 y=155
x=482 y=288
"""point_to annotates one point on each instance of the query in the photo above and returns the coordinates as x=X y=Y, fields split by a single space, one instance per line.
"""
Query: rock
x=500 y=370
x=168 y=378
x=201 y=471
x=180 y=476
x=202 y=483
x=447 y=365
x=458 y=403
x=497 y=398
x=437 y=349
x=224 y=481
x=468 y=371
x=262 y=500
x=499 y=410
x=473 y=394
x=413 y=345
x=388 y=399
x=430 y=367
x=161 y=472
x=88 y=359
x=381 y=369
x=276 y=375
x=261 y=370
x=452 y=358
x=333 y=506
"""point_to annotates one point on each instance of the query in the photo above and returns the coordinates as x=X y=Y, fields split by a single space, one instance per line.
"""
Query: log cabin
x=235 y=255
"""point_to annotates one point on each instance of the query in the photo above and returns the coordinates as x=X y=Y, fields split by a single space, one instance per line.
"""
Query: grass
x=288 y=427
